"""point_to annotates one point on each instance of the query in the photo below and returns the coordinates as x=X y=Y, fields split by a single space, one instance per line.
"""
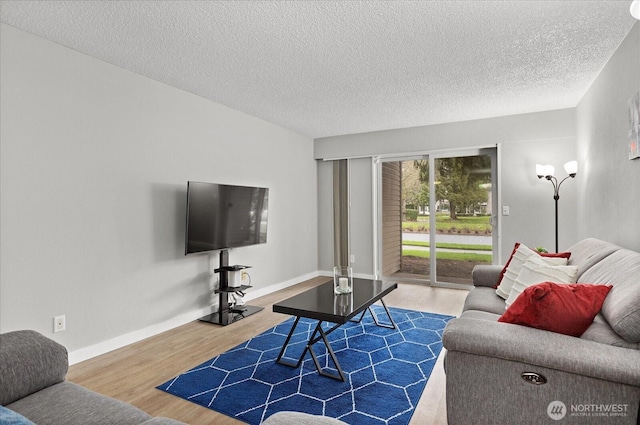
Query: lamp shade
x=571 y=167
x=539 y=170
x=549 y=170
x=635 y=9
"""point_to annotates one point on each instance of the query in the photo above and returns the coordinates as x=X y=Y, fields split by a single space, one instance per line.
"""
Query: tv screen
x=223 y=216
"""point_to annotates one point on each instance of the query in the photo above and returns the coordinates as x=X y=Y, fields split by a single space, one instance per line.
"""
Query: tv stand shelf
x=235 y=268
x=232 y=289
x=230 y=316
x=227 y=314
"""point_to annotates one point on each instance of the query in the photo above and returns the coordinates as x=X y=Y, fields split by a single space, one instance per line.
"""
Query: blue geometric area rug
x=386 y=371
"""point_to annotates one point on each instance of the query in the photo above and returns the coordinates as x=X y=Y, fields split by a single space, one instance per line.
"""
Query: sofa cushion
x=480 y=315
x=542 y=254
x=70 y=404
x=621 y=309
x=566 y=309
x=484 y=299
x=601 y=332
x=536 y=270
x=521 y=254
x=506 y=265
x=29 y=362
x=588 y=252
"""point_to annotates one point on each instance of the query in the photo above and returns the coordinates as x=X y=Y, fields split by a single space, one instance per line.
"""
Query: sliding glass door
x=436 y=216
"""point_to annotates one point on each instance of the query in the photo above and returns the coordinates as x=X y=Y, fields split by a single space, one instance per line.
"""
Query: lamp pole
x=547 y=173
x=556 y=196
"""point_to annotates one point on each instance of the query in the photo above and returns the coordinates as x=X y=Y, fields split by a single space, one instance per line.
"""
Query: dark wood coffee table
x=321 y=304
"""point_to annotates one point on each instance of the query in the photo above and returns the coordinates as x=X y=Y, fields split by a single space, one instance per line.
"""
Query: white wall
x=610 y=185
x=325 y=215
x=547 y=137
x=94 y=165
x=464 y=134
x=532 y=208
x=360 y=218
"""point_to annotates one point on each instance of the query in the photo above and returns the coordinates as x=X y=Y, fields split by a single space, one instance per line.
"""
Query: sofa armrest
x=29 y=362
x=486 y=275
x=542 y=348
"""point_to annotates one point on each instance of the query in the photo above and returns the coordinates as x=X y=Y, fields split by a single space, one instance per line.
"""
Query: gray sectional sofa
x=501 y=373
x=32 y=384
x=33 y=388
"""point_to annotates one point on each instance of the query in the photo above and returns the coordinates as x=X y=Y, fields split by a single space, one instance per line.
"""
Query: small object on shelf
x=342 y=280
x=238 y=278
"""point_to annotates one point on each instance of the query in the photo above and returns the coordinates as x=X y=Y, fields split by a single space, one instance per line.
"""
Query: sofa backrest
x=588 y=252
x=29 y=362
x=621 y=308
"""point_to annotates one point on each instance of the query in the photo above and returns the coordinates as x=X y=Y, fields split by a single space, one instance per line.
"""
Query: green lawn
x=449 y=245
x=463 y=225
x=463 y=256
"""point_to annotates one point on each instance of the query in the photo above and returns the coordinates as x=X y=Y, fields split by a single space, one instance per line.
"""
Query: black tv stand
x=226 y=314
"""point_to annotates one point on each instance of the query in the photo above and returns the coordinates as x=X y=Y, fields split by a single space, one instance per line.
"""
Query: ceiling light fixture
x=635 y=9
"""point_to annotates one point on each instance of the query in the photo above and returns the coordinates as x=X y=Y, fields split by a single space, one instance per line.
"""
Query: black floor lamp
x=547 y=171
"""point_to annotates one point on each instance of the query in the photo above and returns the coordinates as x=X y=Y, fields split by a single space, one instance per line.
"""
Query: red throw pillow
x=566 y=309
x=555 y=254
x=504 y=269
x=544 y=254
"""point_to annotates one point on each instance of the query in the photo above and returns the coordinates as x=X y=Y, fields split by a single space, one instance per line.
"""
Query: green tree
x=459 y=180
x=422 y=166
x=411 y=184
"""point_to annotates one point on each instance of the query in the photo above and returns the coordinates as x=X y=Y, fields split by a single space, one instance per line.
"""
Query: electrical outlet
x=505 y=210
x=352 y=258
x=59 y=323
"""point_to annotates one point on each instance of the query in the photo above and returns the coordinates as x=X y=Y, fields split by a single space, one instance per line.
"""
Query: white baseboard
x=94 y=350
x=91 y=351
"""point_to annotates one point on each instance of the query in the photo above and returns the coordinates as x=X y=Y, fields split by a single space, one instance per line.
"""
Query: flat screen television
x=221 y=216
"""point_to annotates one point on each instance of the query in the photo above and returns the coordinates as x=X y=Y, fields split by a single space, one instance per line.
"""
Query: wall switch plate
x=505 y=210
x=59 y=323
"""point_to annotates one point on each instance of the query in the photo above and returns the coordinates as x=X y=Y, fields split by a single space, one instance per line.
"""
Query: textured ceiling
x=328 y=68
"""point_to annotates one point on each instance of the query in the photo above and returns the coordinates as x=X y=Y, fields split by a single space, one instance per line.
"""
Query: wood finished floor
x=131 y=373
